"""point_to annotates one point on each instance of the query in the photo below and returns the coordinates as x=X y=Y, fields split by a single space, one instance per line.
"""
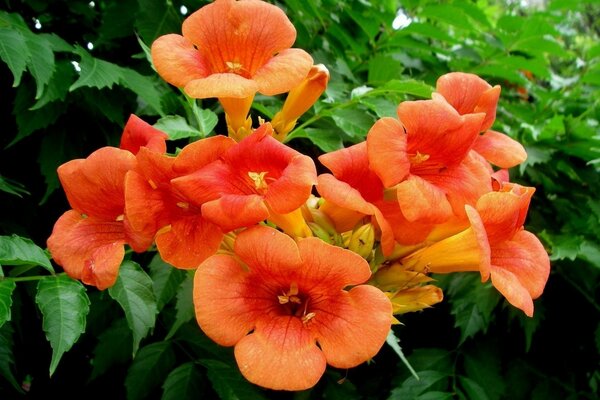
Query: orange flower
x=156 y=210
x=257 y=178
x=231 y=50
x=426 y=158
x=283 y=306
x=88 y=240
x=138 y=133
x=469 y=94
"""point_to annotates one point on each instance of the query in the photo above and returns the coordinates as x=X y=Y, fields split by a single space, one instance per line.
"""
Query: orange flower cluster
x=286 y=277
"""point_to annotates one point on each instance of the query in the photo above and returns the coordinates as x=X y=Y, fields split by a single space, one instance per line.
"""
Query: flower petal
x=342 y=194
x=138 y=133
x=421 y=201
x=283 y=72
x=88 y=249
x=177 y=61
x=352 y=326
x=386 y=144
x=200 y=153
x=280 y=354
x=293 y=187
x=500 y=149
x=221 y=85
x=232 y=211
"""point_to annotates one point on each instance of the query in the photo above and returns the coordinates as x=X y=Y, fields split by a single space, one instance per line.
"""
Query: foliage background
x=474 y=345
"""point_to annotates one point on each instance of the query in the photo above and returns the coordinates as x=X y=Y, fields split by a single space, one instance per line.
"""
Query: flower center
x=418 y=158
x=259 y=179
x=294 y=304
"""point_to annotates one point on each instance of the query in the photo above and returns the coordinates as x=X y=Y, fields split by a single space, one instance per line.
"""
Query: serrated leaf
x=15 y=250
x=428 y=381
x=393 y=342
x=6 y=289
x=7 y=358
x=64 y=305
x=14 y=52
x=114 y=347
x=185 y=304
x=165 y=280
x=325 y=139
x=200 y=345
x=58 y=87
x=483 y=366
x=144 y=87
x=94 y=72
x=229 y=383
x=149 y=369
x=184 y=382
x=133 y=291
x=176 y=127
x=41 y=61
x=156 y=18
x=13 y=187
x=354 y=123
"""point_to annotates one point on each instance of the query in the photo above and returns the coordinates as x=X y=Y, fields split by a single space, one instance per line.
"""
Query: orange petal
x=386 y=144
x=221 y=299
x=239 y=35
x=342 y=194
x=232 y=211
x=88 y=249
x=500 y=149
x=421 y=201
x=270 y=253
x=177 y=61
x=343 y=219
x=221 y=85
x=352 y=326
x=189 y=241
x=294 y=186
x=403 y=231
x=283 y=72
x=95 y=186
x=138 y=133
x=200 y=153
x=333 y=267
x=281 y=354
x=520 y=269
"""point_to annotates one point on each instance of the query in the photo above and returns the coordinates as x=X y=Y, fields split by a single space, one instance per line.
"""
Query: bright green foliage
x=64 y=305
x=133 y=291
x=15 y=250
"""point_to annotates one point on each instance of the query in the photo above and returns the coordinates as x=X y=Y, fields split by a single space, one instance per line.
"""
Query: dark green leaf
x=149 y=369
x=472 y=388
x=143 y=86
x=15 y=250
x=13 y=187
x=6 y=289
x=64 y=305
x=165 y=280
x=133 y=291
x=184 y=382
x=229 y=383
x=428 y=381
x=113 y=348
x=58 y=87
x=95 y=73
x=7 y=358
x=393 y=342
x=338 y=387
x=185 y=305
x=14 y=52
x=482 y=366
x=434 y=359
x=156 y=18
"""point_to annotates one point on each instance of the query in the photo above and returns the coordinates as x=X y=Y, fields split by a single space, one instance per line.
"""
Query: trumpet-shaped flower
x=426 y=157
x=88 y=240
x=285 y=308
x=156 y=210
x=257 y=178
x=138 y=133
x=470 y=94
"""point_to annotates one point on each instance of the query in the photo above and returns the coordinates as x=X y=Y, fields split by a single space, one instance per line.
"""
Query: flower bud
x=415 y=299
x=363 y=240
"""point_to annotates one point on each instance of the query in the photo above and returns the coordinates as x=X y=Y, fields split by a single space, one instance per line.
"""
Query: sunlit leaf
x=64 y=305
x=15 y=250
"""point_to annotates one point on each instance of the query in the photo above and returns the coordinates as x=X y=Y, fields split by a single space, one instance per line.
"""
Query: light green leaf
x=41 y=61
x=176 y=127
x=184 y=382
x=416 y=88
x=326 y=139
x=133 y=291
x=143 y=86
x=6 y=289
x=14 y=52
x=354 y=123
x=7 y=358
x=383 y=68
x=207 y=120
x=64 y=305
x=95 y=72
x=229 y=383
x=393 y=342
x=149 y=368
x=185 y=305
x=113 y=348
x=165 y=280
x=13 y=187
x=15 y=250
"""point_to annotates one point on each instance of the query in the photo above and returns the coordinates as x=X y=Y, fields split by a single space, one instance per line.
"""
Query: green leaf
x=338 y=387
x=393 y=342
x=15 y=250
x=7 y=358
x=483 y=367
x=176 y=127
x=184 y=382
x=95 y=72
x=165 y=280
x=133 y=291
x=207 y=120
x=185 y=305
x=383 y=68
x=143 y=86
x=156 y=18
x=113 y=348
x=6 y=289
x=64 y=305
x=14 y=52
x=412 y=87
x=472 y=388
x=229 y=383
x=149 y=369
x=428 y=381
x=13 y=187
x=353 y=122
x=58 y=87
x=326 y=139
x=41 y=61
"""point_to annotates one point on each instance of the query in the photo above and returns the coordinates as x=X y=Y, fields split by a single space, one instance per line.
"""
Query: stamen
x=259 y=179
x=120 y=217
x=419 y=158
x=184 y=205
x=164 y=229
x=234 y=66
x=152 y=184
x=308 y=317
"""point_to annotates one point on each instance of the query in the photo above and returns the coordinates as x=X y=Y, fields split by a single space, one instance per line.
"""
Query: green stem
x=29 y=278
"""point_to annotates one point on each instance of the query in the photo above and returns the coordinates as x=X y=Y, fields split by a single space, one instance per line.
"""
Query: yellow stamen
x=152 y=184
x=259 y=179
x=183 y=204
x=164 y=229
x=234 y=67
x=419 y=158
x=120 y=217
x=308 y=317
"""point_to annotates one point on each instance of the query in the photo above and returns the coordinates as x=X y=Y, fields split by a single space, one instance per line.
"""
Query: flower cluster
x=287 y=277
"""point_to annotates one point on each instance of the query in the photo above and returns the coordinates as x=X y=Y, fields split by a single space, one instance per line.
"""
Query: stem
x=29 y=278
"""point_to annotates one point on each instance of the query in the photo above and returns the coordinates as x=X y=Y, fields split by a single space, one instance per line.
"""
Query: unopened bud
x=396 y=278
x=363 y=240
x=415 y=299
x=319 y=232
